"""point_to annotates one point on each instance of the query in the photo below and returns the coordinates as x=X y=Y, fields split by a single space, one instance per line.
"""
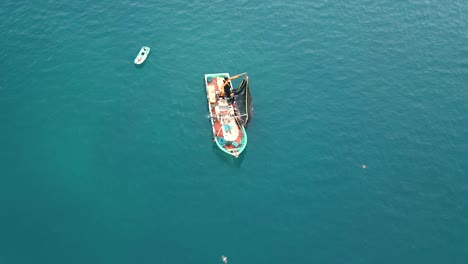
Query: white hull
x=142 y=55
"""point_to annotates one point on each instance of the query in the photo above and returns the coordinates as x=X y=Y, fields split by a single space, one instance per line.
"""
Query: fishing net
x=244 y=101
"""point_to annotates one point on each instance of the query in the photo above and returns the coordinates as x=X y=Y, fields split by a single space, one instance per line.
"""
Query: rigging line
x=247 y=101
x=162 y=68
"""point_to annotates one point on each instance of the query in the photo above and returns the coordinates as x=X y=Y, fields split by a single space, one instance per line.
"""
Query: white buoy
x=363 y=166
x=224 y=258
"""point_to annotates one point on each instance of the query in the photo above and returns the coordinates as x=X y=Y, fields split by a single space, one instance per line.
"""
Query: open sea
x=357 y=153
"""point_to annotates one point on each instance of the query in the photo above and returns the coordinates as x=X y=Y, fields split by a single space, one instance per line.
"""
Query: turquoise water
x=105 y=162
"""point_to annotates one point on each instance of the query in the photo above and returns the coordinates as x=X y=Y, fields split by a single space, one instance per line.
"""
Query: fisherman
x=227 y=128
x=227 y=87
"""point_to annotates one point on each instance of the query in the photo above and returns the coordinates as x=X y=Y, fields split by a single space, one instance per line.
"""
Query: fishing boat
x=230 y=111
x=142 y=55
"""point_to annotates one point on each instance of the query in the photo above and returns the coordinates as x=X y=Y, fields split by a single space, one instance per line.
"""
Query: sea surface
x=357 y=153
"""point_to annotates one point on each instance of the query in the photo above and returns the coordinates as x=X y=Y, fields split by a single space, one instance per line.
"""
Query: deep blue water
x=105 y=162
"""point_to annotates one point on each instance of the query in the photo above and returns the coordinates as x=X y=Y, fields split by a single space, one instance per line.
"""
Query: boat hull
x=142 y=55
x=228 y=133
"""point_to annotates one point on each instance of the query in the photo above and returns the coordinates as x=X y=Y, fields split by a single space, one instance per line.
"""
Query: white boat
x=142 y=55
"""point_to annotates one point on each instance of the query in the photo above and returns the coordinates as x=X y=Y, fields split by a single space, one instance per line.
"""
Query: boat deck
x=225 y=125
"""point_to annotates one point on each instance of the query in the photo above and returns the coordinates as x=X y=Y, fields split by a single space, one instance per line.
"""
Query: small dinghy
x=142 y=55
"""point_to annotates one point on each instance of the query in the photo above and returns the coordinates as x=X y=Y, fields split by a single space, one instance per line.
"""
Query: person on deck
x=227 y=91
x=227 y=87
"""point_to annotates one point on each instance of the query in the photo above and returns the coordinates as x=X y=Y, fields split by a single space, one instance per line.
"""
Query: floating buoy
x=363 y=166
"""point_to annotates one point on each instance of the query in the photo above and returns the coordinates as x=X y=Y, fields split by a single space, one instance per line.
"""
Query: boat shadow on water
x=231 y=160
